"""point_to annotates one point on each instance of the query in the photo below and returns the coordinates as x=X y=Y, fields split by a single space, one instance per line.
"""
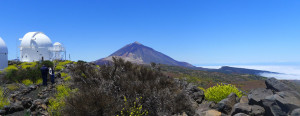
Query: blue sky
x=201 y=32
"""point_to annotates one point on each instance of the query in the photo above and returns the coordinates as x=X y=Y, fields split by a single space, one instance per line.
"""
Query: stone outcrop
x=276 y=85
x=257 y=95
x=226 y=105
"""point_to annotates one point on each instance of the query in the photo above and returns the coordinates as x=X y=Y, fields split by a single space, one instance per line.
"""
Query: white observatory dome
x=3 y=55
x=59 y=51
x=35 y=46
x=35 y=39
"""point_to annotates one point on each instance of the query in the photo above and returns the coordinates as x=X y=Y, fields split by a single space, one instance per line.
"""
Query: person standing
x=51 y=72
x=44 y=71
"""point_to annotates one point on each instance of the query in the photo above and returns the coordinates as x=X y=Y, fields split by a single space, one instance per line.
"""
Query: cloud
x=289 y=72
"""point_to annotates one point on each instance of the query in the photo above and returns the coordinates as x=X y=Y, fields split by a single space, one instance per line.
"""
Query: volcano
x=140 y=54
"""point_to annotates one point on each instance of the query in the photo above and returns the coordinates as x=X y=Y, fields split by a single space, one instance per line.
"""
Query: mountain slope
x=140 y=54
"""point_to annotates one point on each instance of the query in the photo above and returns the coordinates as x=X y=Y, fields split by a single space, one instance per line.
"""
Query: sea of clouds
x=288 y=72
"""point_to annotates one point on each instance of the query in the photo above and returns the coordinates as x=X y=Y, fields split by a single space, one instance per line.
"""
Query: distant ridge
x=140 y=54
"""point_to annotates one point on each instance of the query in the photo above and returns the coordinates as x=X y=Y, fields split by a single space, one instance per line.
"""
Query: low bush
x=39 y=81
x=67 y=78
x=64 y=63
x=58 y=102
x=64 y=74
x=26 y=65
x=27 y=82
x=220 y=92
x=59 y=68
x=3 y=100
x=12 y=87
x=101 y=91
x=48 y=63
x=134 y=109
x=10 y=68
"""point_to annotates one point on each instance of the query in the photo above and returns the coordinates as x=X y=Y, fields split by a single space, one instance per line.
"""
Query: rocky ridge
x=275 y=100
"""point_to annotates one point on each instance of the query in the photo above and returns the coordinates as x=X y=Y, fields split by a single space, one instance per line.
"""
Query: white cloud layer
x=287 y=72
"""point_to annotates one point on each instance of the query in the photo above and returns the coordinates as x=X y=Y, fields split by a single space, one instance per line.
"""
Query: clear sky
x=201 y=32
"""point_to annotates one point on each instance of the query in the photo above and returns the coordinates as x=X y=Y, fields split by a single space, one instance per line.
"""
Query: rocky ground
x=277 y=99
x=30 y=100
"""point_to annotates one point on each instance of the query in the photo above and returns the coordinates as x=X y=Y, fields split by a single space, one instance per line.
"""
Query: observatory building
x=36 y=46
x=59 y=51
x=3 y=55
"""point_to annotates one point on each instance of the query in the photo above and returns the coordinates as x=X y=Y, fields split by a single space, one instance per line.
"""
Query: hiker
x=44 y=71
x=51 y=72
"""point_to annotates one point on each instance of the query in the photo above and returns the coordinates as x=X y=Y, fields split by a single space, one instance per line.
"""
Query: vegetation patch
x=220 y=92
x=3 y=100
x=64 y=74
x=39 y=81
x=12 y=87
x=27 y=82
x=67 y=78
x=58 y=102
x=101 y=91
x=134 y=109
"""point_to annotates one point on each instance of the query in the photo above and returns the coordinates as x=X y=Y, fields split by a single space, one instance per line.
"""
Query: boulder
x=15 y=107
x=210 y=113
x=256 y=95
x=272 y=109
x=195 y=93
x=286 y=100
x=241 y=114
x=2 y=112
x=252 y=110
x=296 y=112
x=276 y=85
x=32 y=87
x=26 y=102
x=244 y=99
x=226 y=105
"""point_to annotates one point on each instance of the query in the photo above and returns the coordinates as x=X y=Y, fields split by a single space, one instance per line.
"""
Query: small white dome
x=3 y=47
x=57 y=44
x=35 y=40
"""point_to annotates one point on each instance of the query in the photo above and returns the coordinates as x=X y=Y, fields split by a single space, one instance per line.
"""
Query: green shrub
x=10 y=68
x=220 y=92
x=67 y=78
x=64 y=74
x=135 y=110
x=47 y=63
x=3 y=100
x=39 y=81
x=12 y=87
x=27 y=82
x=59 y=68
x=16 y=73
x=64 y=63
x=58 y=102
x=26 y=65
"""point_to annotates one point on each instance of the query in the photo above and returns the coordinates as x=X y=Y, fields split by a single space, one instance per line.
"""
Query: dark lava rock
x=2 y=112
x=26 y=102
x=252 y=110
x=241 y=114
x=276 y=85
x=32 y=87
x=272 y=109
x=296 y=112
x=286 y=100
x=255 y=96
x=244 y=99
x=15 y=107
x=195 y=93
x=226 y=105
